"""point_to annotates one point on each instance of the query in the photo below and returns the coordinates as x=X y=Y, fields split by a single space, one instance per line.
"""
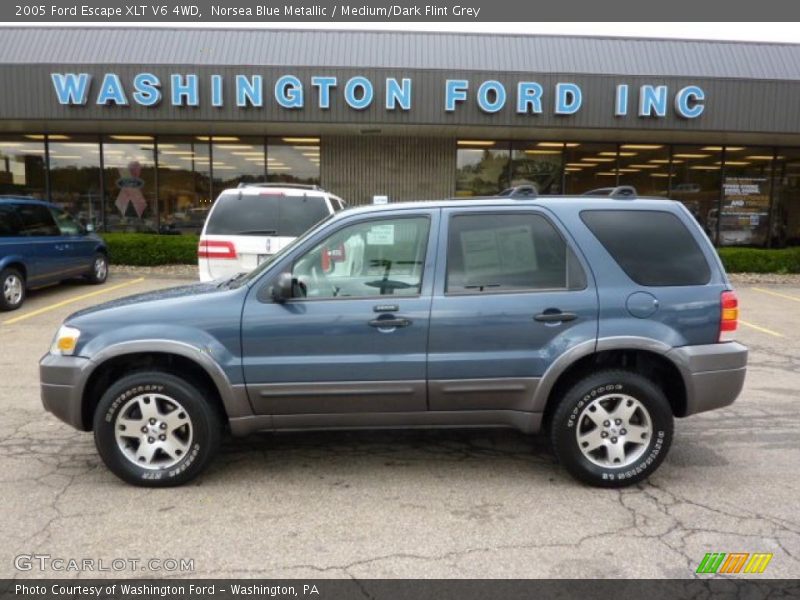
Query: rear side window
x=508 y=252
x=9 y=221
x=654 y=248
x=265 y=214
x=36 y=220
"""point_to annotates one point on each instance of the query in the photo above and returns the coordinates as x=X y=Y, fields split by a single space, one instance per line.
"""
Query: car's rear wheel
x=154 y=429
x=612 y=428
x=99 y=270
x=13 y=292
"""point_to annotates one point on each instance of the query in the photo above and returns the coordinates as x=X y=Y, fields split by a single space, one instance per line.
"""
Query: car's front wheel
x=612 y=428
x=13 y=292
x=154 y=429
x=99 y=270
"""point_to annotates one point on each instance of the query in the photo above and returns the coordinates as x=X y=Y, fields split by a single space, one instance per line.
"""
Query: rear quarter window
x=654 y=248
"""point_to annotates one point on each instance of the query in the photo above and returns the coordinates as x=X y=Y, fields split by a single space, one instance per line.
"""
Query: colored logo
x=734 y=562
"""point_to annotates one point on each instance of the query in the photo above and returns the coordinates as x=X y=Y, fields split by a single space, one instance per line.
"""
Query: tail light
x=216 y=249
x=729 y=318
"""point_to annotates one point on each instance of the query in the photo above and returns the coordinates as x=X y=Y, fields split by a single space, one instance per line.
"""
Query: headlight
x=66 y=341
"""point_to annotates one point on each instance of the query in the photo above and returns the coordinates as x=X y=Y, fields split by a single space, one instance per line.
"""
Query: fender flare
x=234 y=398
x=587 y=348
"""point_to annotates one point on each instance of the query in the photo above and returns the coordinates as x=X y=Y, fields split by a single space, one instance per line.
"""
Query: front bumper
x=713 y=374
x=62 y=379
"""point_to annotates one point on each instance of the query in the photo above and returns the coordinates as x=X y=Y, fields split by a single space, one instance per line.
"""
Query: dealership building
x=140 y=129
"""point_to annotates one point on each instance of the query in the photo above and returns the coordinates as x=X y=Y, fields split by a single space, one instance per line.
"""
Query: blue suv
x=41 y=244
x=596 y=320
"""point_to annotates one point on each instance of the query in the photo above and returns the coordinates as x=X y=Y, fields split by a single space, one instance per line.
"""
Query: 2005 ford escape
x=597 y=320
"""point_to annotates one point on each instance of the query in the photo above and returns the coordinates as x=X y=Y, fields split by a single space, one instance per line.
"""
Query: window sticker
x=381 y=235
x=499 y=251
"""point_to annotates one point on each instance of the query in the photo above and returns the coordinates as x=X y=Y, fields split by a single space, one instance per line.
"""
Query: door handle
x=389 y=323
x=555 y=317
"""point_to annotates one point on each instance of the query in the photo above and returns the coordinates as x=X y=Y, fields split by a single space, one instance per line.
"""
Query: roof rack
x=619 y=192
x=298 y=186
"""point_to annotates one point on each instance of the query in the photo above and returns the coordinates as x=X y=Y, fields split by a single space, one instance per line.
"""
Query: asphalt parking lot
x=407 y=504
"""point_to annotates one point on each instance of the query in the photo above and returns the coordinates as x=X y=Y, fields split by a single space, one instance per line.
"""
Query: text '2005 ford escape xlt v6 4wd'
x=598 y=320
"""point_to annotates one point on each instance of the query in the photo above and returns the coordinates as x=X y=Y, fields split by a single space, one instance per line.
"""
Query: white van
x=248 y=224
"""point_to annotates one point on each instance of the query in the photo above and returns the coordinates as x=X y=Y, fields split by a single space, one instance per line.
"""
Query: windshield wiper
x=257 y=232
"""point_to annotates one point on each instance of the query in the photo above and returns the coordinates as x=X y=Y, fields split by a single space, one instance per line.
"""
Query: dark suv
x=597 y=320
x=41 y=244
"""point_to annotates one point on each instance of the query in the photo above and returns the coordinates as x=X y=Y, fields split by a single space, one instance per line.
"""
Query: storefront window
x=785 y=228
x=75 y=176
x=184 y=184
x=482 y=167
x=589 y=167
x=236 y=160
x=22 y=165
x=130 y=183
x=537 y=164
x=293 y=160
x=697 y=182
x=746 y=196
x=645 y=167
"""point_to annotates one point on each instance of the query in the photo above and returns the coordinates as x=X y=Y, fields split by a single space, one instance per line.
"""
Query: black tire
x=96 y=274
x=577 y=410
x=7 y=276
x=203 y=415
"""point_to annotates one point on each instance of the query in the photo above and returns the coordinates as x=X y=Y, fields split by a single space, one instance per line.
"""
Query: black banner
x=382 y=589
x=450 y=11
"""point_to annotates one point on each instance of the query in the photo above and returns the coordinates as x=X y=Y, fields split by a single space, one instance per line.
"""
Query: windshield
x=265 y=214
x=255 y=273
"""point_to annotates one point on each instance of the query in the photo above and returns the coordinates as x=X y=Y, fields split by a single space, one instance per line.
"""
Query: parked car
x=41 y=244
x=596 y=320
x=249 y=224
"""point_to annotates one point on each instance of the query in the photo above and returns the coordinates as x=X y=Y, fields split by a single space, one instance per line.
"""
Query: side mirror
x=282 y=288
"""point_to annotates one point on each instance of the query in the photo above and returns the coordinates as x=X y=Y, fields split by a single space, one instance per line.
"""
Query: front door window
x=375 y=258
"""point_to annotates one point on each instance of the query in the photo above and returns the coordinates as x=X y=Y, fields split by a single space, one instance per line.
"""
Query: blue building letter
x=487 y=105
x=568 y=98
x=71 y=88
x=184 y=93
x=398 y=93
x=653 y=98
x=249 y=91
x=216 y=91
x=366 y=92
x=689 y=102
x=529 y=96
x=324 y=84
x=147 y=89
x=455 y=91
x=111 y=91
x=621 y=103
x=289 y=92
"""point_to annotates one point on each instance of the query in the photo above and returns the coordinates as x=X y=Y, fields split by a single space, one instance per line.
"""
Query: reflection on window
x=236 y=160
x=293 y=160
x=589 y=167
x=481 y=167
x=184 y=184
x=22 y=165
x=376 y=258
x=696 y=182
x=75 y=176
x=129 y=177
x=537 y=165
x=745 y=196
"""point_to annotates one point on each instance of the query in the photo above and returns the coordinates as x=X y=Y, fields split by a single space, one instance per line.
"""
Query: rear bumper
x=62 y=387
x=713 y=374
